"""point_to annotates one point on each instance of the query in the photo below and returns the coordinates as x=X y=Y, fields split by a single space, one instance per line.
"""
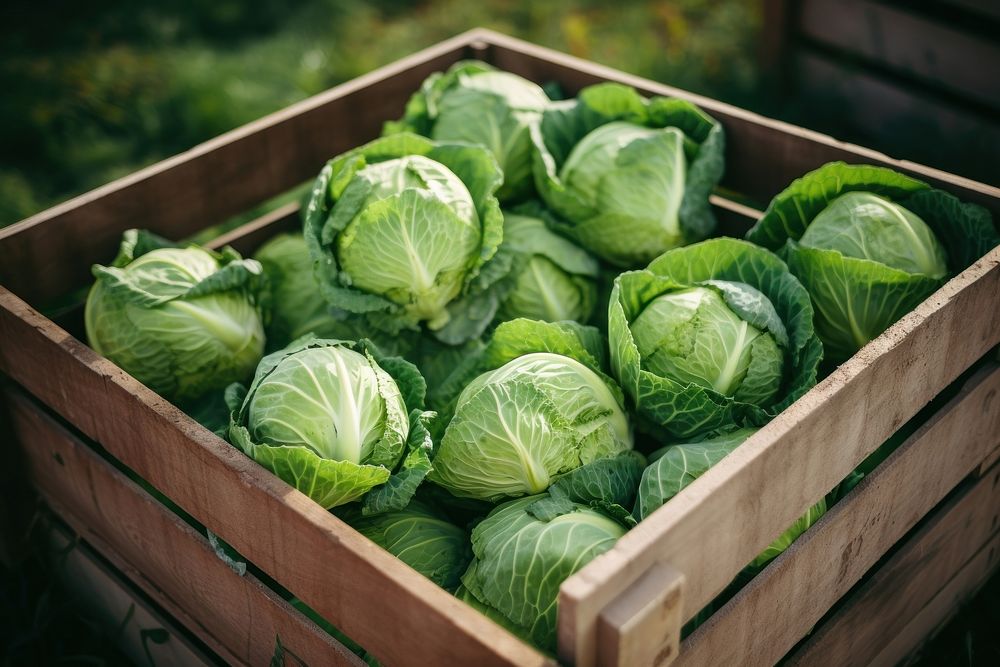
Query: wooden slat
x=248 y=237
x=762 y=155
x=901 y=39
x=642 y=626
x=238 y=617
x=885 y=604
x=883 y=102
x=49 y=253
x=756 y=492
x=343 y=576
x=937 y=612
x=797 y=589
x=110 y=599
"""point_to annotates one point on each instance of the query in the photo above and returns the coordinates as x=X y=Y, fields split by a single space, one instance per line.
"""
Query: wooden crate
x=73 y=410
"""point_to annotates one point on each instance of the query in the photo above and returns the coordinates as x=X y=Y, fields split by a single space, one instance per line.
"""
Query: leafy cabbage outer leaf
x=183 y=321
x=674 y=410
x=405 y=230
x=674 y=467
x=298 y=307
x=521 y=560
x=421 y=538
x=330 y=418
x=474 y=103
x=693 y=336
x=801 y=525
x=554 y=280
x=630 y=191
x=856 y=298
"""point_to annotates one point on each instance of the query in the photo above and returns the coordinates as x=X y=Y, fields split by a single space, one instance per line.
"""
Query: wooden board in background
x=959 y=590
x=898 y=38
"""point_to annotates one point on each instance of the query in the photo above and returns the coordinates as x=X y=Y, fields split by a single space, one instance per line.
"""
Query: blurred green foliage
x=96 y=90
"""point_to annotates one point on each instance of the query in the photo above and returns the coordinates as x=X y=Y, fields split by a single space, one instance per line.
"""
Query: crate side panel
x=801 y=585
x=288 y=536
x=109 y=597
x=884 y=605
x=234 y=612
x=937 y=612
x=746 y=499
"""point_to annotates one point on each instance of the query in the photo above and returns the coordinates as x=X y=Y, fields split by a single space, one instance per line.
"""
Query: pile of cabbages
x=505 y=336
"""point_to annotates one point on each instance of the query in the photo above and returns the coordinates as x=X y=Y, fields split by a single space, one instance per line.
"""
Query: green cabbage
x=869 y=244
x=553 y=280
x=402 y=231
x=421 y=538
x=183 y=321
x=629 y=176
x=334 y=419
x=711 y=335
x=676 y=466
x=476 y=104
x=528 y=416
x=522 y=556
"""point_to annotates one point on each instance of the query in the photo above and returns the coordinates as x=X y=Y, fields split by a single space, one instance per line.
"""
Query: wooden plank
x=110 y=599
x=642 y=626
x=751 y=139
x=822 y=437
x=47 y=254
x=238 y=617
x=901 y=39
x=945 y=604
x=988 y=9
x=343 y=576
x=989 y=462
x=246 y=238
x=804 y=582
x=885 y=604
x=878 y=101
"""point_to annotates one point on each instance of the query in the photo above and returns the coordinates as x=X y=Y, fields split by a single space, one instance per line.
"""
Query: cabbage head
x=402 y=231
x=524 y=551
x=335 y=419
x=529 y=416
x=183 y=321
x=674 y=467
x=421 y=538
x=714 y=334
x=630 y=176
x=553 y=279
x=869 y=244
x=475 y=103
x=298 y=306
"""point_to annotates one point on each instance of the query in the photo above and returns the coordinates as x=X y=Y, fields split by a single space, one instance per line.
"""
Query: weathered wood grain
x=343 y=576
x=796 y=590
x=238 y=617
